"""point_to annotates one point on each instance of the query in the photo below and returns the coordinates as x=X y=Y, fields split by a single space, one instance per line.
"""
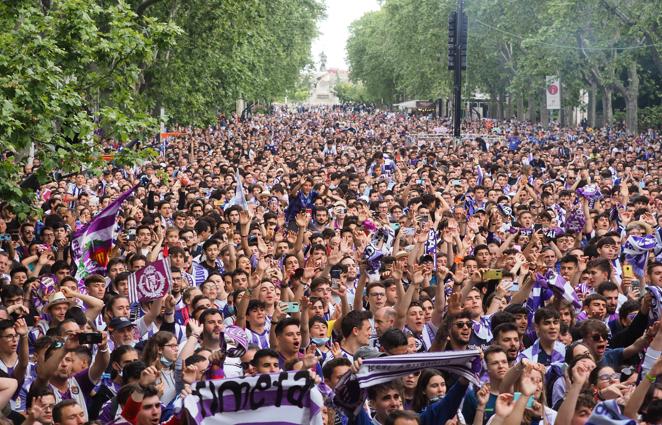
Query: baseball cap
x=118 y=323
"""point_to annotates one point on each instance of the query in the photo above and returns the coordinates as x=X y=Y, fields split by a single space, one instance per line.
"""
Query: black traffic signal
x=453 y=42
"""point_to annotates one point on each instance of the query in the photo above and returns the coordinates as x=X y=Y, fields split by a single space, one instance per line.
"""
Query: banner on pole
x=92 y=244
x=553 y=90
x=287 y=398
x=151 y=282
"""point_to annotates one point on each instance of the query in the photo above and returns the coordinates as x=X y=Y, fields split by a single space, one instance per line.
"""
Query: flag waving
x=239 y=194
x=151 y=282
x=91 y=245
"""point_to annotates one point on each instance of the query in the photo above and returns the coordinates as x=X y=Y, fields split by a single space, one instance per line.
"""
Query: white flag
x=553 y=90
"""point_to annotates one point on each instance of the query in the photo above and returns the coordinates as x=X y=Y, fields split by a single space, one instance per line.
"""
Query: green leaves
x=229 y=49
x=65 y=74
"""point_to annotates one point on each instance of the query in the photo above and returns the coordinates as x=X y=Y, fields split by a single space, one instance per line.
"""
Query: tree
x=229 y=49
x=69 y=73
x=348 y=92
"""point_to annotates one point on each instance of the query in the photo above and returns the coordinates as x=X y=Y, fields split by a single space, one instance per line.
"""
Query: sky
x=334 y=30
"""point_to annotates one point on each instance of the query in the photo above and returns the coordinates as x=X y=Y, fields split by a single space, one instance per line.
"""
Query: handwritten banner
x=287 y=398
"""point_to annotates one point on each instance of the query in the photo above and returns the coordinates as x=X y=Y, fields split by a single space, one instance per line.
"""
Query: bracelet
x=650 y=378
x=197 y=336
x=105 y=350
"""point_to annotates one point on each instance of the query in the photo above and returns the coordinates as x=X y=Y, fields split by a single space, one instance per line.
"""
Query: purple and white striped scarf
x=384 y=369
x=609 y=413
x=532 y=353
x=563 y=288
x=636 y=250
x=655 y=311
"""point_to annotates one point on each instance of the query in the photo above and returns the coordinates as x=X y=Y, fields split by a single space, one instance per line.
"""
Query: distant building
x=325 y=81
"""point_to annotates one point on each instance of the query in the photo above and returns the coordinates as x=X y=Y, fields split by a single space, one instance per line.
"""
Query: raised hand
x=581 y=372
x=148 y=376
x=483 y=394
x=196 y=327
x=189 y=374
x=244 y=218
x=528 y=386
x=21 y=327
x=455 y=304
x=309 y=273
x=68 y=292
x=37 y=412
x=170 y=302
x=504 y=405
x=302 y=219
x=335 y=350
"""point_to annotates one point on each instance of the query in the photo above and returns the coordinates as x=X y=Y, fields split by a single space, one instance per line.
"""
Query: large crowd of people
x=319 y=238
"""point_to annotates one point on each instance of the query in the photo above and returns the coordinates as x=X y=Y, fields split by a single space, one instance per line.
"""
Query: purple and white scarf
x=533 y=352
x=636 y=250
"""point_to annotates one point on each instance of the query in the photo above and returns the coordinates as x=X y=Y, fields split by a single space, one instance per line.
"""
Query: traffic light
x=452 y=33
x=452 y=40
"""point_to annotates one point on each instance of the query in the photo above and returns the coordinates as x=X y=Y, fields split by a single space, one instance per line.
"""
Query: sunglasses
x=599 y=337
x=461 y=325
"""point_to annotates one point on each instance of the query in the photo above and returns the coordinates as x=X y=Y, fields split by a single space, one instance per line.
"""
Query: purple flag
x=151 y=282
x=91 y=245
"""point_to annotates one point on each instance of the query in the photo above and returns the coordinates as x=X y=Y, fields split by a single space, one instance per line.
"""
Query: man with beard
x=459 y=331
x=497 y=365
x=506 y=336
x=212 y=326
x=320 y=219
x=547 y=349
x=122 y=332
x=609 y=290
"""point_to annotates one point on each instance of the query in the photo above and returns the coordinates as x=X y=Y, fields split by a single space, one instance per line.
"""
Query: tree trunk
x=631 y=95
x=607 y=111
x=509 y=106
x=544 y=113
x=520 y=108
x=592 y=102
x=530 y=108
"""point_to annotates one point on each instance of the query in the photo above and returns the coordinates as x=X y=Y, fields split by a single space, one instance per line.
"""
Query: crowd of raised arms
x=362 y=234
